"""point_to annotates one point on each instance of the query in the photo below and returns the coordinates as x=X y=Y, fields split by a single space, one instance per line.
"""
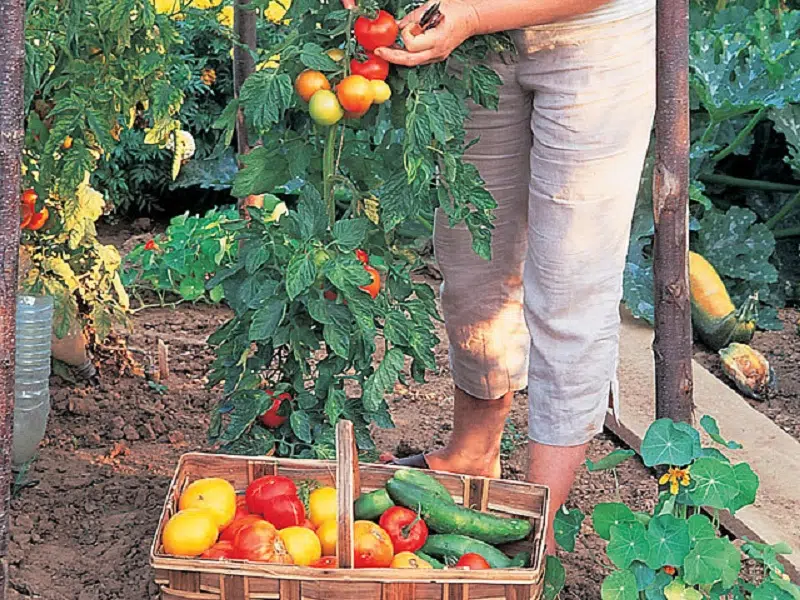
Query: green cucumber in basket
x=369 y=507
x=435 y=563
x=426 y=482
x=459 y=545
x=443 y=517
x=521 y=561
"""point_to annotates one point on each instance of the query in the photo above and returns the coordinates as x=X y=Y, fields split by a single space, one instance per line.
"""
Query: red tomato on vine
x=374 y=67
x=378 y=32
x=374 y=287
x=271 y=419
x=355 y=94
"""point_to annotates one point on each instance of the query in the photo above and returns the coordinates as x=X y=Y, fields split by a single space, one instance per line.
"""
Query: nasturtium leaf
x=300 y=275
x=554 y=578
x=629 y=542
x=714 y=483
x=669 y=443
x=715 y=453
x=609 y=461
x=619 y=585
x=266 y=320
x=192 y=288
x=566 y=525
x=301 y=425
x=655 y=591
x=709 y=424
x=607 y=514
x=677 y=590
x=748 y=487
x=669 y=541
x=700 y=527
x=769 y=591
x=711 y=561
x=645 y=576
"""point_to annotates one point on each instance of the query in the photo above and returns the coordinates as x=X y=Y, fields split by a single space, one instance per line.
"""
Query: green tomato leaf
x=669 y=541
x=314 y=57
x=265 y=168
x=265 y=96
x=609 y=461
x=350 y=234
x=709 y=424
x=607 y=514
x=714 y=483
x=300 y=274
x=338 y=338
x=554 y=578
x=256 y=258
x=383 y=379
x=301 y=425
x=311 y=216
x=244 y=407
x=566 y=525
x=334 y=405
x=669 y=443
x=266 y=320
x=629 y=542
x=711 y=561
x=619 y=585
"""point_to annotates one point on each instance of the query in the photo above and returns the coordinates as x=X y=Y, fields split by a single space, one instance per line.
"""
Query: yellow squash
x=749 y=370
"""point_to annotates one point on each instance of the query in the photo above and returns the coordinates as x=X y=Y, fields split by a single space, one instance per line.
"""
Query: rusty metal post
x=244 y=28
x=673 y=338
x=12 y=64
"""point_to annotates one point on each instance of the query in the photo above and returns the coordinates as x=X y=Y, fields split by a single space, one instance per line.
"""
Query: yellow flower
x=225 y=16
x=166 y=7
x=208 y=76
x=676 y=478
x=273 y=63
x=276 y=10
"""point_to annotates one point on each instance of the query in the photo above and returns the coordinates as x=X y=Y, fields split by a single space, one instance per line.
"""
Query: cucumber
x=521 y=561
x=451 y=518
x=459 y=545
x=426 y=482
x=369 y=507
x=435 y=563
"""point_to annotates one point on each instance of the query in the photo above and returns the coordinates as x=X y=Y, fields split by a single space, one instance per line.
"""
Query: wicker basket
x=195 y=579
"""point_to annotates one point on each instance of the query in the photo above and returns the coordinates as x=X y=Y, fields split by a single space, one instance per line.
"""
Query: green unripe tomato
x=324 y=108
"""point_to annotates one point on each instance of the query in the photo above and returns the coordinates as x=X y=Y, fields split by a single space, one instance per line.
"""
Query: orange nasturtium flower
x=151 y=245
x=676 y=478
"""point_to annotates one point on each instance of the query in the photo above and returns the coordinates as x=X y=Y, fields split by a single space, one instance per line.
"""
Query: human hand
x=459 y=22
x=349 y=4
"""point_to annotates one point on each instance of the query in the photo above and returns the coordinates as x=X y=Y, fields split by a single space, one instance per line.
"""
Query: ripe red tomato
x=38 y=219
x=330 y=295
x=472 y=562
x=241 y=508
x=355 y=94
x=310 y=82
x=257 y=541
x=378 y=32
x=219 y=550
x=372 y=546
x=284 y=511
x=373 y=288
x=326 y=562
x=229 y=533
x=406 y=529
x=28 y=210
x=264 y=488
x=29 y=197
x=372 y=68
x=271 y=419
x=362 y=256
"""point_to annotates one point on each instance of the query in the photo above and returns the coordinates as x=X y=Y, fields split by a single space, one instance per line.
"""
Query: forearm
x=493 y=16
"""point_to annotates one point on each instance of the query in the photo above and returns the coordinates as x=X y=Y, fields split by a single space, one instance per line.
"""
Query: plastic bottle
x=32 y=375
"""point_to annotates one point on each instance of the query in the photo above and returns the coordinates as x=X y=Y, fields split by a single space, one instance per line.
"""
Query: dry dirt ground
x=84 y=515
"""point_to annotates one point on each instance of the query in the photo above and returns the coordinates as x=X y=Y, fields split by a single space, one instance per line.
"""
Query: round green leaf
x=554 y=578
x=770 y=591
x=669 y=541
x=677 y=590
x=700 y=527
x=607 y=514
x=628 y=543
x=669 y=443
x=645 y=576
x=566 y=525
x=620 y=585
x=748 y=487
x=711 y=561
x=714 y=483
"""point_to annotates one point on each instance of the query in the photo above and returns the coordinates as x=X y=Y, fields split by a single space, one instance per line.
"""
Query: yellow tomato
x=335 y=54
x=328 y=536
x=190 y=532
x=409 y=560
x=302 y=545
x=214 y=494
x=322 y=505
x=381 y=90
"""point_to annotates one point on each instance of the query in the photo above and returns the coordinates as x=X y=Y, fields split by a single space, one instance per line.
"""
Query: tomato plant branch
x=328 y=172
x=787 y=208
x=751 y=184
x=741 y=136
x=780 y=234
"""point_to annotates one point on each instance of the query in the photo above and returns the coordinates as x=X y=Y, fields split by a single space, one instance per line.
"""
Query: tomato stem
x=328 y=173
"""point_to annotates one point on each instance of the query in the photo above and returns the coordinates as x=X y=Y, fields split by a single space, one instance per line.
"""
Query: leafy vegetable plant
x=676 y=552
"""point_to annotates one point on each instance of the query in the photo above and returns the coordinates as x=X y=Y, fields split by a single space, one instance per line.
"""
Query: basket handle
x=348 y=488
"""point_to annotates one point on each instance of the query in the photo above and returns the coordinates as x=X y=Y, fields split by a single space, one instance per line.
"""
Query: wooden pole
x=673 y=329
x=244 y=27
x=12 y=64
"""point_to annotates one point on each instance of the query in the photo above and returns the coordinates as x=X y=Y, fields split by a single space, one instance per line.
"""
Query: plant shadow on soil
x=83 y=520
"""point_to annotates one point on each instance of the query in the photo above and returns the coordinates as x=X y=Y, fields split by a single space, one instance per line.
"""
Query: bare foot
x=452 y=462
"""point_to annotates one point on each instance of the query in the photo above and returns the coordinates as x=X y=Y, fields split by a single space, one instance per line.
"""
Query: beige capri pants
x=563 y=157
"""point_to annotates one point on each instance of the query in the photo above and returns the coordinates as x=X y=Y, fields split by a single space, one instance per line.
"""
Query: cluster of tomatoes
x=268 y=524
x=366 y=85
x=32 y=219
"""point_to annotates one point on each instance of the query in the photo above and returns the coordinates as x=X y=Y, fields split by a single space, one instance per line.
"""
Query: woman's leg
x=593 y=110
x=482 y=300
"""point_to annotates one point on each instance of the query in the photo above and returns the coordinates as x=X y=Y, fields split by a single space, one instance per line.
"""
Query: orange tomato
x=229 y=533
x=308 y=525
x=219 y=550
x=29 y=197
x=213 y=493
x=38 y=219
x=371 y=545
x=259 y=542
x=374 y=287
x=309 y=83
x=326 y=562
x=355 y=94
x=67 y=144
x=328 y=534
x=409 y=560
x=190 y=532
x=241 y=508
x=302 y=545
x=28 y=210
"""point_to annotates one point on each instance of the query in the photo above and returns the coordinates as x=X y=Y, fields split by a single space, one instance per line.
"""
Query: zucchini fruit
x=749 y=370
x=445 y=518
x=426 y=482
x=459 y=545
x=369 y=507
x=715 y=318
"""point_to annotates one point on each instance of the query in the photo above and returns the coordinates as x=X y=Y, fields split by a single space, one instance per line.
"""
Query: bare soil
x=83 y=517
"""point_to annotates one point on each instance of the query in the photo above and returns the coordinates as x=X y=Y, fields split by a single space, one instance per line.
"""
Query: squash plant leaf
x=619 y=585
x=629 y=542
x=709 y=424
x=566 y=525
x=670 y=443
x=669 y=541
